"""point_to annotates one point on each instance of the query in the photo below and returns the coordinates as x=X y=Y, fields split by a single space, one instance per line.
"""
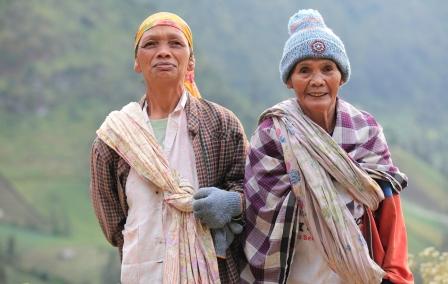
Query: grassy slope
x=425 y=227
x=46 y=159
x=424 y=203
x=15 y=210
x=427 y=186
x=47 y=162
x=46 y=156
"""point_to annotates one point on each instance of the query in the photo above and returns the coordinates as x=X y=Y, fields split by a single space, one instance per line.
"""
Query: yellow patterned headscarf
x=173 y=20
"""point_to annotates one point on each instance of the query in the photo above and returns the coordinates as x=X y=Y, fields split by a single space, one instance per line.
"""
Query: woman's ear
x=289 y=83
x=342 y=82
x=137 y=68
x=191 y=63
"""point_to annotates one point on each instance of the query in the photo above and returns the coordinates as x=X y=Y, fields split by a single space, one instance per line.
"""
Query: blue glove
x=223 y=237
x=216 y=207
x=235 y=227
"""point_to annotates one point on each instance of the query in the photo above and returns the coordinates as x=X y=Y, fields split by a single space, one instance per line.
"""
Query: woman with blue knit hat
x=322 y=193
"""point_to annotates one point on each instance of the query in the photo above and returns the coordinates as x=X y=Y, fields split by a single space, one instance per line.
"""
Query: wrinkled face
x=316 y=84
x=163 y=54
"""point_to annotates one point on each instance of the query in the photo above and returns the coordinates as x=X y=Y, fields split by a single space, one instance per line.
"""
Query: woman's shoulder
x=266 y=133
x=354 y=117
x=266 y=118
x=266 y=123
x=214 y=108
x=100 y=150
x=215 y=115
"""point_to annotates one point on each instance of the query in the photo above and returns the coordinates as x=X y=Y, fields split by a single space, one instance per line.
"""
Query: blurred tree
x=111 y=270
x=2 y=264
x=59 y=220
x=2 y=273
x=11 y=250
x=66 y=225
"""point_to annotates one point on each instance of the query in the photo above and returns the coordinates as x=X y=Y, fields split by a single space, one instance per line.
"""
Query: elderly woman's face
x=163 y=54
x=316 y=84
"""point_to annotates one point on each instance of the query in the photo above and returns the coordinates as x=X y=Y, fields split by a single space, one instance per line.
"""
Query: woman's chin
x=317 y=105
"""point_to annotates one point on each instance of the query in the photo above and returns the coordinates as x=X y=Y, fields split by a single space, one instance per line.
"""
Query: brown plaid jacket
x=219 y=144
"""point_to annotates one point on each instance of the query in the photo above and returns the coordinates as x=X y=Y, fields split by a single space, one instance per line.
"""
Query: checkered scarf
x=275 y=167
x=190 y=256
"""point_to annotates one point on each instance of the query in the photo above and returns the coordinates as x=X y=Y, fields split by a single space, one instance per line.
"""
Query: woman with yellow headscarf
x=167 y=173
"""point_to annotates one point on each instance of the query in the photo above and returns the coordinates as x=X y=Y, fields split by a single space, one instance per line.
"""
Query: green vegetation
x=427 y=186
x=65 y=65
x=425 y=228
x=432 y=265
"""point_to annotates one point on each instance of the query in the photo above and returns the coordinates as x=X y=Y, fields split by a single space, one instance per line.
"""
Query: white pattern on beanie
x=311 y=38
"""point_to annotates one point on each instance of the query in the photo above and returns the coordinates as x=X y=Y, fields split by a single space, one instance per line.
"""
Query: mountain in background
x=15 y=210
x=65 y=65
x=54 y=52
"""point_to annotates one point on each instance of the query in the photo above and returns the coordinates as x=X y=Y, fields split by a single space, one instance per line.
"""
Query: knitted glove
x=235 y=227
x=216 y=207
x=223 y=237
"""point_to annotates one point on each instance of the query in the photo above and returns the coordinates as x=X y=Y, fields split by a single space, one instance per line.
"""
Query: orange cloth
x=172 y=20
x=389 y=241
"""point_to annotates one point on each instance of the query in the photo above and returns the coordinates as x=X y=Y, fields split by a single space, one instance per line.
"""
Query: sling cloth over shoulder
x=190 y=256
x=313 y=160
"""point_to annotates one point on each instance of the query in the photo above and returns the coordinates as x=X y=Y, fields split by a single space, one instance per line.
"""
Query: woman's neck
x=326 y=120
x=162 y=101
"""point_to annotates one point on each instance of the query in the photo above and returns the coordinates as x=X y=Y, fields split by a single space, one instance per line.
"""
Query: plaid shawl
x=271 y=204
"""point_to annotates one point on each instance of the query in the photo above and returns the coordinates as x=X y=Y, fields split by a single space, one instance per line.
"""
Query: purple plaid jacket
x=270 y=200
x=219 y=144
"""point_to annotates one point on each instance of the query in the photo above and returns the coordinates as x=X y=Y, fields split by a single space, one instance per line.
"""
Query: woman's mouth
x=163 y=64
x=317 y=94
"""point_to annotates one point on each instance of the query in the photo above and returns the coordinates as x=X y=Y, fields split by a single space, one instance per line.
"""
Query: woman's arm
x=268 y=201
x=389 y=238
x=104 y=193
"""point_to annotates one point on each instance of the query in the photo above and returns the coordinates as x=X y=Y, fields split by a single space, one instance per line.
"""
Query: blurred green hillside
x=65 y=64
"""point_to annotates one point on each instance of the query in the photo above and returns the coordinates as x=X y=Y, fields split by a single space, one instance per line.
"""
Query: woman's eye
x=328 y=68
x=304 y=70
x=176 y=43
x=149 y=44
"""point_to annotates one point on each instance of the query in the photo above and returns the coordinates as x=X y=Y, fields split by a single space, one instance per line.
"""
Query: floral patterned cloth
x=190 y=256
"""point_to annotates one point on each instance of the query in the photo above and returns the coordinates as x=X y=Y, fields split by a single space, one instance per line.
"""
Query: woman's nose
x=317 y=79
x=163 y=51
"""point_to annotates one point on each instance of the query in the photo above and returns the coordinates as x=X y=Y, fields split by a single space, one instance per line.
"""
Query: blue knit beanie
x=309 y=37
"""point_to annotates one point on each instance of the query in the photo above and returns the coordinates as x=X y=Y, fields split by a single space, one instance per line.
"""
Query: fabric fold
x=190 y=256
x=318 y=160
